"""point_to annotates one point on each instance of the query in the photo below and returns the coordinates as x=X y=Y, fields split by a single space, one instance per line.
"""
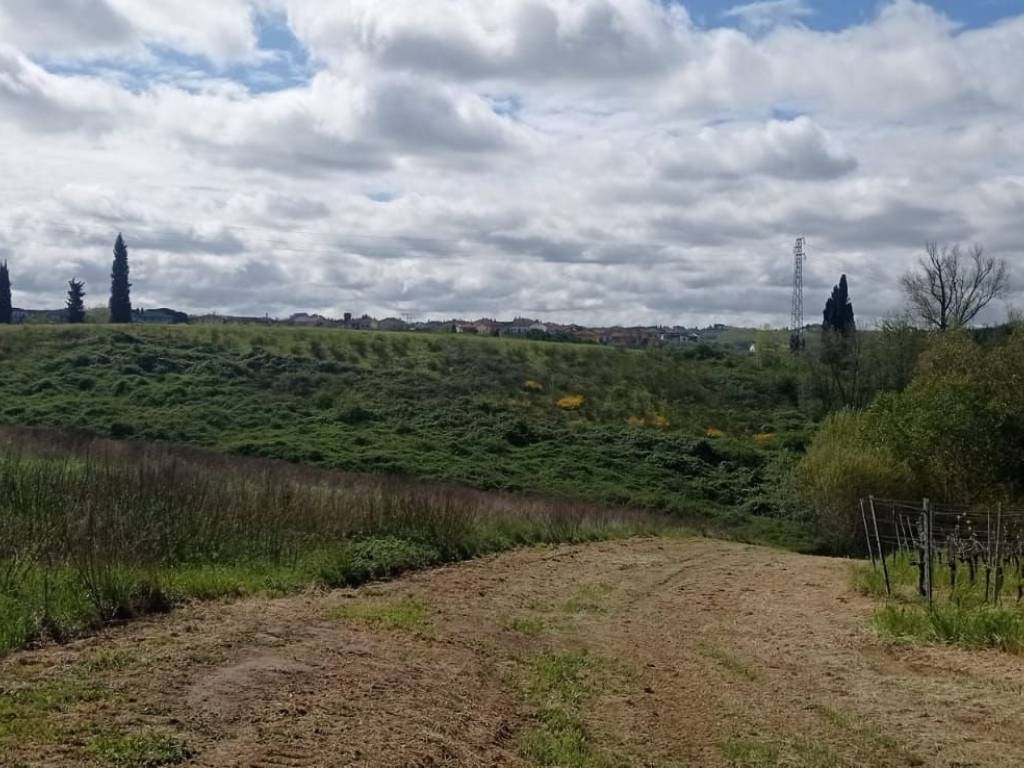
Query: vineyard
x=971 y=553
x=949 y=574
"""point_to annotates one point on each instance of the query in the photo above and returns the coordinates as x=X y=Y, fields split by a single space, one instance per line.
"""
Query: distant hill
x=616 y=426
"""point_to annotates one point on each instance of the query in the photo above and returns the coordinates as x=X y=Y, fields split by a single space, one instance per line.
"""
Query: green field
x=379 y=440
x=485 y=413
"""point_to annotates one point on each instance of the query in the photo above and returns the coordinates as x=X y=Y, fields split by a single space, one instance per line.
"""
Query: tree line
x=120 y=303
x=925 y=407
x=948 y=289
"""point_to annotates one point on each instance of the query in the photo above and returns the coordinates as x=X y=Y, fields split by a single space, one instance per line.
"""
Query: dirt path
x=656 y=653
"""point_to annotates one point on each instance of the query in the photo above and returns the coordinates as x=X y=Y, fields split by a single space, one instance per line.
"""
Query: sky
x=592 y=161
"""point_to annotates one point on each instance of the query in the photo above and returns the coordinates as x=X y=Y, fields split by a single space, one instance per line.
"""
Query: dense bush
x=843 y=464
x=954 y=434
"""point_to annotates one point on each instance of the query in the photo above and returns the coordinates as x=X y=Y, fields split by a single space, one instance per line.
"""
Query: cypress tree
x=76 y=303
x=839 y=310
x=120 y=288
x=6 y=307
x=840 y=347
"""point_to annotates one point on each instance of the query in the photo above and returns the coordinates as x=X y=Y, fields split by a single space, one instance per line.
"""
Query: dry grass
x=97 y=530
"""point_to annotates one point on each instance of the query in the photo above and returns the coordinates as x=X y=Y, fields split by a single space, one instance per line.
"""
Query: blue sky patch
x=839 y=14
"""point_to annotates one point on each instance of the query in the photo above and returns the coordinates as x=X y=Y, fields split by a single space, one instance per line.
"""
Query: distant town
x=520 y=327
x=120 y=310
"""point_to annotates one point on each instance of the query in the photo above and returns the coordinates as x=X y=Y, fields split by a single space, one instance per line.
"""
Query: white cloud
x=481 y=39
x=765 y=14
x=44 y=102
x=584 y=160
x=68 y=30
x=796 y=149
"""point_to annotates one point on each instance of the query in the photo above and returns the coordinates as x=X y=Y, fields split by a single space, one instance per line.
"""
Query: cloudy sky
x=592 y=160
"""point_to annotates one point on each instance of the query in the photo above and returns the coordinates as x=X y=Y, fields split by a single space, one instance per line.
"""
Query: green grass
x=530 y=626
x=958 y=616
x=64 y=608
x=32 y=712
x=974 y=627
x=142 y=749
x=400 y=614
x=558 y=686
x=592 y=598
x=757 y=752
x=447 y=408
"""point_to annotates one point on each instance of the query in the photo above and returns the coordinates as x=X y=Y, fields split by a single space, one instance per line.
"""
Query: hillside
x=612 y=426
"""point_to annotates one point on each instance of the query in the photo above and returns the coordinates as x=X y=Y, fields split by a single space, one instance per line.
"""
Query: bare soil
x=716 y=653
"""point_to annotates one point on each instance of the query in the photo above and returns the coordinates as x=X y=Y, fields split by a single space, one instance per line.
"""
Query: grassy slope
x=95 y=530
x=443 y=407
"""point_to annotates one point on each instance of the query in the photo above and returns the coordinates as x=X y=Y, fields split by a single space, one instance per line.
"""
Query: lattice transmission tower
x=796 y=321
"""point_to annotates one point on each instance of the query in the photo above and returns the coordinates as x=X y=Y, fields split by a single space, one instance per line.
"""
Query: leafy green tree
x=76 y=301
x=955 y=434
x=120 y=288
x=6 y=308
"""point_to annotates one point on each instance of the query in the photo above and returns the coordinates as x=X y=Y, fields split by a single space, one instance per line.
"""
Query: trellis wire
x=978 y=539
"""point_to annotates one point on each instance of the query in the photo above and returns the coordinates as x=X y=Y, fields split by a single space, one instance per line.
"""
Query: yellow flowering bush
x=714 y=433
x=571 y=402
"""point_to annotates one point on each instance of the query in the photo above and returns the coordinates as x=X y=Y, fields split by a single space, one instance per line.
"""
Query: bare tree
x=951 y=287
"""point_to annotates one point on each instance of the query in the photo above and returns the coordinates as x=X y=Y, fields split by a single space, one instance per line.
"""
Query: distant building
x=522 y=327
x=485 y=327
x=630 y=337
x=583 y=335
x=678 y=336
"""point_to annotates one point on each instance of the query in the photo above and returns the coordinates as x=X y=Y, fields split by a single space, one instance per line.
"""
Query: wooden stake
x=867 y=535
x=988 y=551
x=998 y=563
x=929 y=526
x=878 y=542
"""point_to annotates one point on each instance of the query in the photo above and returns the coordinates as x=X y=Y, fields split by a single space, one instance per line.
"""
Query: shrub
x=571 y=402
x=842 y=465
